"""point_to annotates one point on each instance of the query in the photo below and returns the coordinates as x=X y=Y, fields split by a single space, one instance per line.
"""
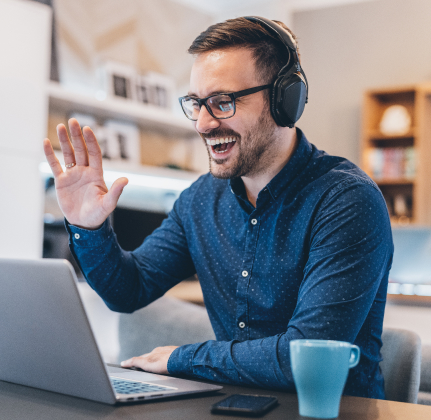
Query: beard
x=256 y=150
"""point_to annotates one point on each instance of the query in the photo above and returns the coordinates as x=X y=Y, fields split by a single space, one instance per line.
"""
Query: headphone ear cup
x=289 y=98
x=274 y=101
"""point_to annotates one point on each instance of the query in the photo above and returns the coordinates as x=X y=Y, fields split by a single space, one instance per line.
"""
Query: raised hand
x=82 y=194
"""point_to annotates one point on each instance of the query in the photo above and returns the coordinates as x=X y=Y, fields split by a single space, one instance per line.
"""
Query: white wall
x=25 y=39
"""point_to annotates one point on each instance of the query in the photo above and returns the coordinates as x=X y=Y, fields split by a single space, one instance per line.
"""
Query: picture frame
x=117 y=80
x=155 y=89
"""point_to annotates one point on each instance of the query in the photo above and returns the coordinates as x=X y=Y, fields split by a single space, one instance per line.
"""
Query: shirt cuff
x=181 y=359
x=88 y=238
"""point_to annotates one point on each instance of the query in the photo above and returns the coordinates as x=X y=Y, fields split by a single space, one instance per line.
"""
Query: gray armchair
x=424 y=396
x=401 y=364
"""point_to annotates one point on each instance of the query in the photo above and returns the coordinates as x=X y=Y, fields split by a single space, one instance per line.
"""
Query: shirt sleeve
x=127 y=281
x=350 y=256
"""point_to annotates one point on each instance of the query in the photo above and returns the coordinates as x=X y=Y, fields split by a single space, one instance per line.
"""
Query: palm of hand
x=81 y=191
x=81 y=197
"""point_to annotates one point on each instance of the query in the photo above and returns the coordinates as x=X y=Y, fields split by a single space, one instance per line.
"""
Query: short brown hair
x=269 y=53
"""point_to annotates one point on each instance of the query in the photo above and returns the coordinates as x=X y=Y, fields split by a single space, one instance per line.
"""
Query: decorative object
x=155 y=89
x=123 y=141
x=117 y=79
x=396 y=121
x=143 y=90
x=400 y=205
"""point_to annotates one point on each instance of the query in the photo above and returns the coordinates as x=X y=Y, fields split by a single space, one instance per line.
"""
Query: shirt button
x=253 y=221
x=77 y=235
x=241 y=324
x=245 y=273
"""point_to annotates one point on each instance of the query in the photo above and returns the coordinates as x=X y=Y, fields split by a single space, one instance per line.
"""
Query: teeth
x=220 y=141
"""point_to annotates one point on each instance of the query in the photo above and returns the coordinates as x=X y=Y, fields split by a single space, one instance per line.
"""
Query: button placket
x=252 y=234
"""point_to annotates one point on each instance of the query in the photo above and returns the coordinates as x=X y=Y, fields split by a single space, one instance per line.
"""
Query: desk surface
x=19 y=402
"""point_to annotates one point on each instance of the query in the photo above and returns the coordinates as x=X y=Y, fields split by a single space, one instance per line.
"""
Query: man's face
x=247 y=135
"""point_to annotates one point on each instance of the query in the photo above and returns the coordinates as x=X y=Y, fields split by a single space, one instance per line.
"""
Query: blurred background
x=119 y=68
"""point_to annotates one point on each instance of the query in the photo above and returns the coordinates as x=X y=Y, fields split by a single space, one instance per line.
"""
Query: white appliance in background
x=25 y=51
x=412 y=256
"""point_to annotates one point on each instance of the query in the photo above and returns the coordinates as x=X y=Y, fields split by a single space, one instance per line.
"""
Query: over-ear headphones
x=290 y=90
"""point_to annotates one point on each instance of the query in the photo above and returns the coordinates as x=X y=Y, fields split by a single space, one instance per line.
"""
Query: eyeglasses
x=220 y=105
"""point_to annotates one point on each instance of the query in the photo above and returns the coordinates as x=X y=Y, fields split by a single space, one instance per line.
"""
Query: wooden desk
x=23 y=403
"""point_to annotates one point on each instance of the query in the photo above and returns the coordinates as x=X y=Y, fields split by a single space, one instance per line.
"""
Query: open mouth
x=221 y=145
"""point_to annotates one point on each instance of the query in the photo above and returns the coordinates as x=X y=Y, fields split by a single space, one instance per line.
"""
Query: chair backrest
x=401 y=364
x=425 y=386
x=165 y=322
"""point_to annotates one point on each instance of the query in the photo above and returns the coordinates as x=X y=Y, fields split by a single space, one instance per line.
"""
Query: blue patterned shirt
x=310 y=261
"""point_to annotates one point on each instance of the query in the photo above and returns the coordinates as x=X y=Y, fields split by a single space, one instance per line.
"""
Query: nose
x=206 y=121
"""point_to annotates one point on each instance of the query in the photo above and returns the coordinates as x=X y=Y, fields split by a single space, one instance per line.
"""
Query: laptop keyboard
x=123 y=386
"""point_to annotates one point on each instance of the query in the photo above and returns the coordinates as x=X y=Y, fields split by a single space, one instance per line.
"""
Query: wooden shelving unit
x=414 y=190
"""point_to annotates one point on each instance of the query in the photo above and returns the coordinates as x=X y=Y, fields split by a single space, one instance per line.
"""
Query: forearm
x=108 y=269
x=252 y=362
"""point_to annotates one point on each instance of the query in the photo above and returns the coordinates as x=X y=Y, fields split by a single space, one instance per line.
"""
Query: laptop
x=46 y=340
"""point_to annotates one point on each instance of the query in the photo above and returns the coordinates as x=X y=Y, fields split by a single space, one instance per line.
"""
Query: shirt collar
x=297 y=162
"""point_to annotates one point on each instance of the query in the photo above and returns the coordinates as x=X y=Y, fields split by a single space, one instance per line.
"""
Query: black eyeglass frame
x=232 y=95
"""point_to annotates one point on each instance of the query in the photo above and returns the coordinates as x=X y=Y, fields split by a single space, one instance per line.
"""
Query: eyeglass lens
x=222 y=106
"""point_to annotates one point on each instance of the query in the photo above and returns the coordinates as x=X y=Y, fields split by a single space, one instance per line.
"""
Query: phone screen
x=243 y=403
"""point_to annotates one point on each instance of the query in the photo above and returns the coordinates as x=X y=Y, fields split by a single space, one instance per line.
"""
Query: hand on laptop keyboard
x=155 y=362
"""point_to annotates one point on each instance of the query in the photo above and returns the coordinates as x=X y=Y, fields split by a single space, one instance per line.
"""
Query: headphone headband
x=285 y=37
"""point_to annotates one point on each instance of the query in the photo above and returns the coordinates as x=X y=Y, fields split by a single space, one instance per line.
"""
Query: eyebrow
x=216 y=92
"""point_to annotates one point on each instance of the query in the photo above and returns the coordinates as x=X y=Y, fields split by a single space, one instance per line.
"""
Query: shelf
x=406 y=158
x=376 y=135
x=397 y=181
x=394 y=94
x=407 y=299
x=147 y=117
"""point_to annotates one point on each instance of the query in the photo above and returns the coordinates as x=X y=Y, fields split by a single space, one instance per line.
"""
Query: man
x=287 y=241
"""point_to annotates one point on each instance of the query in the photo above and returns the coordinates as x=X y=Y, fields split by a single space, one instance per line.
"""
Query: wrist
x=97 y=227
x=84 y=237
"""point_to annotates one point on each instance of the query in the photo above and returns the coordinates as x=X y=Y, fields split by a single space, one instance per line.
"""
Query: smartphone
x=245 y=405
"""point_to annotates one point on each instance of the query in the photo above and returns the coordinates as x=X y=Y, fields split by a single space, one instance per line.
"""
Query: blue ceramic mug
x=320 y=369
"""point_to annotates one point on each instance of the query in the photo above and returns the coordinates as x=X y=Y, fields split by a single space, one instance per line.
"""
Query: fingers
x=134 y=362
x=93 y=148
x=79 y=146
x=51 y=158
x=112 y=196
x=65 y=144
x=156 y=361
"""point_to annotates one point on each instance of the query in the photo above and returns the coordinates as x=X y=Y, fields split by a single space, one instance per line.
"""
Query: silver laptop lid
x=45 y=338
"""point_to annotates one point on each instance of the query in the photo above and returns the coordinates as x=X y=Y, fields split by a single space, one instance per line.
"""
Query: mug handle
x=354 y=356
